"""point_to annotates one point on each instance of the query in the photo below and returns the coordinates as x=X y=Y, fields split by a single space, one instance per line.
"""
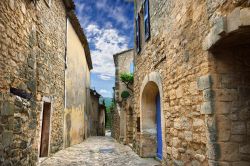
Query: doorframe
x=45 y=100
x=156 y=78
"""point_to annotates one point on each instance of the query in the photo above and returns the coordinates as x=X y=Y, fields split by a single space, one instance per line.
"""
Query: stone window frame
x=48 y=3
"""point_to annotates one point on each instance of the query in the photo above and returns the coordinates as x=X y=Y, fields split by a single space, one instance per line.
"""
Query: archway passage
x=151 y=121
x=231 y=85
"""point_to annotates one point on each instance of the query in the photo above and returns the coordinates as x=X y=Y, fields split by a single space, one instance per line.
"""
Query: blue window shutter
x=138 y=47
x=146 y=19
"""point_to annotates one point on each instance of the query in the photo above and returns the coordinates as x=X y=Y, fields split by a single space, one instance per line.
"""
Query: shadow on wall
x=68 y=128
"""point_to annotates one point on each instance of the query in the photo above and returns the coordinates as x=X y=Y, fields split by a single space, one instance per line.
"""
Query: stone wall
x=101 y=120
x=122 y=65
x=121 y=115
x=77 y=85
x=93 y=114
x=115 y=124
x=175 y=51
x=32 y=44
x=129 y=121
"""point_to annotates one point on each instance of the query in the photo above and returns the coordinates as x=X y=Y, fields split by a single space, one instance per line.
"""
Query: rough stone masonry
x=197 y=59
x=32 y=62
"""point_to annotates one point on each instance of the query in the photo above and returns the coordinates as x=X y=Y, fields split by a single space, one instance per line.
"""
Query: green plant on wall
x=125 y=94
x=127 y=79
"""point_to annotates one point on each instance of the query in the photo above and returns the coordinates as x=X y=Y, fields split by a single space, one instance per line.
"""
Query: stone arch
x=151 y=86
x=228 y=29
x=228 y=96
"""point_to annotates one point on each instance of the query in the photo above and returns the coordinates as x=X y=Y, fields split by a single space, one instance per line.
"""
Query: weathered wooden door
x=44 y=146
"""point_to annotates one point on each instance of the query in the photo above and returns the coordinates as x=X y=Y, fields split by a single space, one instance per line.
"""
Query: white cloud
x=105 y=92
x=114 y=12
x=107 y=42
x=101 y=4
x=105 y=77
x=80 y=6
x=92 y=29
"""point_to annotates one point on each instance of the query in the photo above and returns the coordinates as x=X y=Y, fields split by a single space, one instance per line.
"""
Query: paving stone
x=98 y=151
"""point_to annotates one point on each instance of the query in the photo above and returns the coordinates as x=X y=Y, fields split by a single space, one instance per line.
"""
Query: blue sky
x=108 y=25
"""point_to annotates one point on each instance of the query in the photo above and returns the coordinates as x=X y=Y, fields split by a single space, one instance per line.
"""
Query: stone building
x=122 y=113
x=96 y=115
x=192 y=81
x=77 y=80
x=101 y=119
x=33 y=43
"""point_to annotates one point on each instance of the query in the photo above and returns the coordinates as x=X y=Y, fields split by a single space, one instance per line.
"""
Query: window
x=131 y=67
x=138 y=47
x=146 y=19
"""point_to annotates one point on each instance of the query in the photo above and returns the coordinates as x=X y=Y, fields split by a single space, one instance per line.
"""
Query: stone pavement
x=98 y=151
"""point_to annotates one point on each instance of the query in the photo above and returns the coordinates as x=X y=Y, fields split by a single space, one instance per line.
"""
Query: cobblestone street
x=98 y=151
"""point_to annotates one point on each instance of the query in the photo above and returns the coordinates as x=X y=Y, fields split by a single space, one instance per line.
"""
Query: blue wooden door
x=159 y=132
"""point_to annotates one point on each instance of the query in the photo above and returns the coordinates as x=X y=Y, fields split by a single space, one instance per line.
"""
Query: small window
x=146 y=19
x=132 y=67
x=138 y=47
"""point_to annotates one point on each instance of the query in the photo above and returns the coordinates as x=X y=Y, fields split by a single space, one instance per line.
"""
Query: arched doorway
x=230 y=64
x=152 y=119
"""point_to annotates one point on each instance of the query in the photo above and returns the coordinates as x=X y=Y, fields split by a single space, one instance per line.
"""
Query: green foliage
x=108 y=113
x=127 y=78
x=125 y=94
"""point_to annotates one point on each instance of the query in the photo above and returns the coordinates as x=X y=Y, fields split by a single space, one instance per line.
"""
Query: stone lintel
x=238 y=18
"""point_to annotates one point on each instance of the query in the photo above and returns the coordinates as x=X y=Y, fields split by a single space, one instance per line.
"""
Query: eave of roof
x=119 y=53
x=95 y=93
x=69 y=4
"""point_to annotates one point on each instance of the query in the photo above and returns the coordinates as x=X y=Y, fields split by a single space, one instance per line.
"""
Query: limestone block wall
x=175 y=51
x=93 y=115
x=32 y=51
x=115 y=124
x=122 y=61
x=101 y=120
x=129 y=121
x=122 y=64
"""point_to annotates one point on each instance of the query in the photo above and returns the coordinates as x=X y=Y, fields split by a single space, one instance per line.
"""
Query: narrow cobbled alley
x=98 y=151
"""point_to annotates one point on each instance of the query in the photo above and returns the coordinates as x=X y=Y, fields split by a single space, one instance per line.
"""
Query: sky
x=108 y=26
